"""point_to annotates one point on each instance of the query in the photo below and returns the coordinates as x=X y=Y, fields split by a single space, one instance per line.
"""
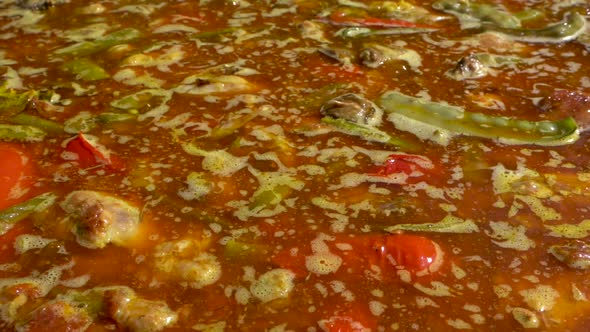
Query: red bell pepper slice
x=90 y=154
x=341 y=19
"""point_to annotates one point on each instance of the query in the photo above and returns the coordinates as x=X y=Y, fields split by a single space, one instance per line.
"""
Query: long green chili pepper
x=366 y=132
x=21 y=133
x=48 y=126
x=458 y=121
x=89 y=47
x=16 y=213
x=573 y=25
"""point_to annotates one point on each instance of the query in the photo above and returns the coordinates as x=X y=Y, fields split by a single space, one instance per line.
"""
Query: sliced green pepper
x=89 y=47
x=236 y=249
x=13 y=102
x=231 y=125
x=85 y=69
x=138 y=99
x=48 y=126
x=480 y=11
x=21 y=133
x=573 y=25
x=109 y=117
x=458 y=121
x=16 y=213
x=448 y=224
x=368 y=133
x=359 y=32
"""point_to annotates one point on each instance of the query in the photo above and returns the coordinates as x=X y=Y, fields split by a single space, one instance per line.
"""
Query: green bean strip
x=16 y=213
x=456 y=120
x=48 y=126
x=21 y=133
x=90 y=47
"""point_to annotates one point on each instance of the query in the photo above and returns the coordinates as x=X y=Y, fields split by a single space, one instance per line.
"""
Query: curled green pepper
x=459 y=122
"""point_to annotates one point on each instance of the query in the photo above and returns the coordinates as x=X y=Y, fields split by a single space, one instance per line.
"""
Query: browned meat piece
x=353 y=108
x=99 y=219
x=57 y=316
x=468 y=67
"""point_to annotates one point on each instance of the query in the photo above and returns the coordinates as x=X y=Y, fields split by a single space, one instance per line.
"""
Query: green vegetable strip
x=48 y=126
x=21 y=133
x=109 y=117
x=479 y=11
x=12 y=102
x=85 y=69
x=570 y=28
x=90 y=47
x=448 y=224
x=236 y=249
x=366 y=132
x=16 y=213
x=455 y=119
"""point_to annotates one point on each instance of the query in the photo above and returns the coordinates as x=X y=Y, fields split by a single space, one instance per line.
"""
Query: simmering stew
x=294 y=165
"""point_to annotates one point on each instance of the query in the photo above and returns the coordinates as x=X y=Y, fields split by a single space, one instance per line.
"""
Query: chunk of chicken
x=99 y=219
x=575 y=254
x=138 y=314
x=185 y=260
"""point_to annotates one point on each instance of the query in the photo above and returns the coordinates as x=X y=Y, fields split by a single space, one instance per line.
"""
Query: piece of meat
x=575 y=254
x=353 y=108
x=468 y=67
x=184 y=260
x=99 y=219
x=55 y=316
x=137 y=314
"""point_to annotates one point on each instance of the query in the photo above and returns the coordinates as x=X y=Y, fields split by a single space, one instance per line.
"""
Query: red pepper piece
x=89 y=155
x=341 y=19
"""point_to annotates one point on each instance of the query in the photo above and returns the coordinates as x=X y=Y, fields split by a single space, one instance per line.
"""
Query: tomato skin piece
x=16 y=174
x=412 y=252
